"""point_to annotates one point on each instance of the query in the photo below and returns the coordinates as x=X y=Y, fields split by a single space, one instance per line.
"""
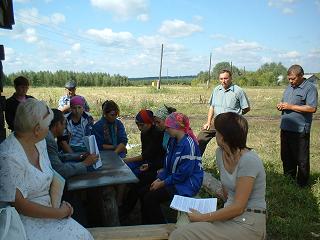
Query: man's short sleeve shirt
x=304 y=94
x=233 y=99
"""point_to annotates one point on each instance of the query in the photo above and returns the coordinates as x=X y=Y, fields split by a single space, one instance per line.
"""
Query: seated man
x=79 y=124
x=64 y=102
x=66 y=169
x=21 y=85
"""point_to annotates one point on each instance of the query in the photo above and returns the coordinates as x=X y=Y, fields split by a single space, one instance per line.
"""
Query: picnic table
x=101 y=183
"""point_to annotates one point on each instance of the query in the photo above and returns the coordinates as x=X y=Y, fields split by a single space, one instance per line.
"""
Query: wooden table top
x=113 y=172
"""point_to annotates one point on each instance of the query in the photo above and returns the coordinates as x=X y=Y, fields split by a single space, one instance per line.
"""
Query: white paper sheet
x=203 y=205
x=92 y=147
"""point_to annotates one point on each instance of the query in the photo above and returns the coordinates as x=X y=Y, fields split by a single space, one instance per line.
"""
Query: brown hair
x=21 y=81
x=110 y=105
x=233 y=128
x=226 y=71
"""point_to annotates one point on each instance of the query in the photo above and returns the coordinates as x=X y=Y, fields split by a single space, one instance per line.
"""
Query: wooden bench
x=137 y=232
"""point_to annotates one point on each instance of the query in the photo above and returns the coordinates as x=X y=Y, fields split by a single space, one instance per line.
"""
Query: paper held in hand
x=203 y=205
x=91 y=144
x=56 y=189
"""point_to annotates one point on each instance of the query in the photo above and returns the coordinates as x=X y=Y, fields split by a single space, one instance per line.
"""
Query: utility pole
x=209 y=71
x=231 y=67
x=159 y=81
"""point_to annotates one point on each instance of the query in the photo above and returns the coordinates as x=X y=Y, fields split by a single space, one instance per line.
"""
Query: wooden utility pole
x=208 y=81
x=159 y=81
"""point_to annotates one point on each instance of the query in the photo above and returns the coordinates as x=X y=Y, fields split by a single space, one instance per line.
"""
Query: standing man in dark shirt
x=299 y=102
x=21 y=85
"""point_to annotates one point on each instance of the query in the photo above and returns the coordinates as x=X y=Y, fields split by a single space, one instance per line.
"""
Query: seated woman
x=78 y=125
x=244 y=183
x=109 y=131
x=159 y=119
x=182 y=173
x=30 y=174
x=152 y=153
x=146 y=165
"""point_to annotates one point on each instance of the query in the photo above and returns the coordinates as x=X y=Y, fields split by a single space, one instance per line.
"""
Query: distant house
x=312 y=78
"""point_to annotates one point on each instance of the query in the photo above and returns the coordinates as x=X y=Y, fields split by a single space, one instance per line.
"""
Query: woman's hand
x=156 y=185
x=66 y=209
x=144 y=167
x=196 y=216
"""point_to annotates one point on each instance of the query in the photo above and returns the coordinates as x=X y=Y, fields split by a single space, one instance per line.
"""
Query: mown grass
x=293 y=213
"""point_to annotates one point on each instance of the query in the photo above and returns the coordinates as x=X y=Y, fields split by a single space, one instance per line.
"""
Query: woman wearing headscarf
x=78 y=125
x=146 y=165
x=182 y=173
x=26 y=175
x=159 y=119
x=152 y=153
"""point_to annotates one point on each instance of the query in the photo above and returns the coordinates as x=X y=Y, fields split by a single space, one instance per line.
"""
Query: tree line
x=269 y=74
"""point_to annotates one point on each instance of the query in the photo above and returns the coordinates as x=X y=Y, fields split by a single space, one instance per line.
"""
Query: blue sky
x=125 y=36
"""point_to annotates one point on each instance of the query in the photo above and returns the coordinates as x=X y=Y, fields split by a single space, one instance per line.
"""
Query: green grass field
x=293 y=213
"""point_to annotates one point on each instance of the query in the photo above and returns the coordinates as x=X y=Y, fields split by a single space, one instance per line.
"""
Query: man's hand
x=156 y=185
x=284 y=106
x=90 y=159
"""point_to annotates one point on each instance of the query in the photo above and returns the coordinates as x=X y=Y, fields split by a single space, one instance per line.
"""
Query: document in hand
x=203 y=205
x=91 y=144
x=56 y=189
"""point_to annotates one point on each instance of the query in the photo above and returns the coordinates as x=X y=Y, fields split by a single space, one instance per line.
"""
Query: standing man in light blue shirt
x=299 y=102
x=226 y=97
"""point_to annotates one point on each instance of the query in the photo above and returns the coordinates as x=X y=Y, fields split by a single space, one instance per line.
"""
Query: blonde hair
x=30 y=113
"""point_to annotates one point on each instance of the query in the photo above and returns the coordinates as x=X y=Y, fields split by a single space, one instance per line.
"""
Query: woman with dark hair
x=243 y=181
x=109 y=131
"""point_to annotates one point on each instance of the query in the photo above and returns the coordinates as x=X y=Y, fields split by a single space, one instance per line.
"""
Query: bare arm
x=133 y=159
x=244 y=188
x=296 y=108
x=120 y=148
x=207 y=125
x=32 y=209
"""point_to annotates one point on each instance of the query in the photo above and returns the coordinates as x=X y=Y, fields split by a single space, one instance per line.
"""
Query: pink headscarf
x=180 y=121
x=77 y=100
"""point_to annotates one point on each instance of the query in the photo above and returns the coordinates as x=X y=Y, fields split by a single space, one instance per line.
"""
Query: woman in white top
x=244 y=182
x=26 y=175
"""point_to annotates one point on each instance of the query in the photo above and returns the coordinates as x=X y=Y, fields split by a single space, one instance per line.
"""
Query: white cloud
x=31 y=16
x=286 y=6
x=178 y=28
x=57 y=18
x=143 y=17
x=239 y=46
x=122 y=9
x=287 y=10
x=29 y=35
x=107 y=36
x=290 y=54
x=219 y=36
x=76 y=47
